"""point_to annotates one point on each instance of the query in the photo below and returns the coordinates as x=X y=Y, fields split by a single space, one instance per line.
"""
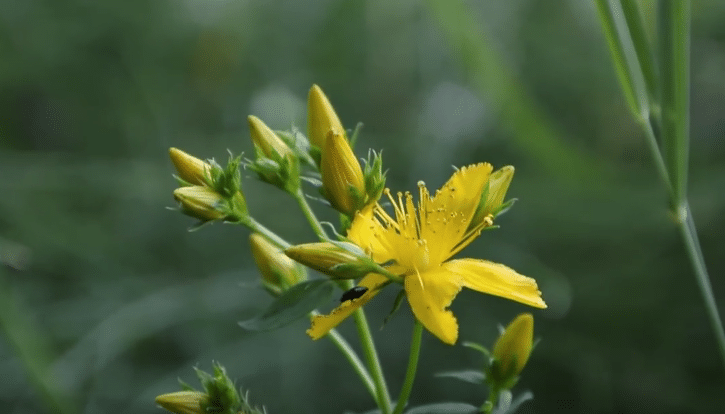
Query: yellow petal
x=365 y=231
x=447 y=215
x=321 y=324
x=321 y=118
x=496 y=279
x=431 y=299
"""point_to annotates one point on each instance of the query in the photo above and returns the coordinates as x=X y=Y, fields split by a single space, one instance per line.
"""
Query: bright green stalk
x=31 y=348
x=310 y=215
x=674 y=40
x=354 y=360
x=371 y=355
x=259 y=228
x=412 y=367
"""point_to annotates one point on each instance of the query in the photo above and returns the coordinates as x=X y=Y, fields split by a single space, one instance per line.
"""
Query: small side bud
x=190 y=169
x=266 y=140
x=342 y=177
x=339 y=260
x=321 y=118
x=374 y=177
x=278 y=271
x=201 y=202
x=492 y=198
x=184 y=402
x=511 y=352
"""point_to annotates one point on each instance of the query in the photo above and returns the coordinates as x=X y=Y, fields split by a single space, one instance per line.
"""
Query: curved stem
x=354 y=360
x=412 y=367
x=371 y=355
x=310 y=215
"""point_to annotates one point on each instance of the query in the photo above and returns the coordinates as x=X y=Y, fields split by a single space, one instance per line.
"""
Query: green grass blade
x=674 y=57
x=625 y=57
x=643 y=49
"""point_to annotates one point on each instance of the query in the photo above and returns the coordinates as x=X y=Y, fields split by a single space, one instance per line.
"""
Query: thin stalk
x=355 y=361
x=256 y=227
x=689 y=235
x=310 y=215
x=642 y=46
x=371 y=355
x=412 y=367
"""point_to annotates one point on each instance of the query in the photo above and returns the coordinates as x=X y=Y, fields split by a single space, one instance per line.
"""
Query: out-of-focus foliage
x=92 y=94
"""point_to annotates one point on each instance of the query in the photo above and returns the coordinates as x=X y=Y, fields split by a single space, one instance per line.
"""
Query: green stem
x=371 y=355
x=310 y=215
x=412 y=367
x=354 y=360
x=259 y=228
x=689 y=235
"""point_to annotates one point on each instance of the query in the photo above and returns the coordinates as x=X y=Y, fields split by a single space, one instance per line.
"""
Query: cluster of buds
x=208 y=192
x=344 y=183
x=219 y=396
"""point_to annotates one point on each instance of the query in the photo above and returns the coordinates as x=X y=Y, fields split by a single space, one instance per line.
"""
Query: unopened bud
x=321 y=118
x=338 y=260
x=279 y=272
x=342 y=177
x=190 y=169
x=492 y=199
x=263 y=137
x=511 y=351
x=201 y=202
x=183 y=402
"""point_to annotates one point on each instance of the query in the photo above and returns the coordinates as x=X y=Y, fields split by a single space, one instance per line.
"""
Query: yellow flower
x=183 y=402
x=512 y=349
x=267 y=140
x=191 y=169
x=342 y=177
x=420 y=243
x=321 y=118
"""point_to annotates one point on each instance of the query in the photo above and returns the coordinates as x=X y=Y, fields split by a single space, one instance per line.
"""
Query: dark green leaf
x=294 y=304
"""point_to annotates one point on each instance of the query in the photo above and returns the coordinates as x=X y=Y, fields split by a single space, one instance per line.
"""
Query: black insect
x=353 y=293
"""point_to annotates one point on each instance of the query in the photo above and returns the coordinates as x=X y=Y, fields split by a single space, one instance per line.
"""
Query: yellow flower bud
x=321 y=118
x=337 y=260
x=190 y=169
x=342 y=177
x=279 y=272
x=266 y=139
x=183 y=402
x=512 y=350
x=201 y=202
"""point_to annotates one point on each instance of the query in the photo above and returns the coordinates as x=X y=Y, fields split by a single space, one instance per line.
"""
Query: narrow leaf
x=294 y=304
x=470 y=376
x=444 y=408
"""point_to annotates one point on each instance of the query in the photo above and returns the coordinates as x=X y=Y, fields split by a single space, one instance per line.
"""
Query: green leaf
x=444 y=408
x=516 y=403
x=471 y=376
x=294 y=304
x=478 y=347
x=396 y=306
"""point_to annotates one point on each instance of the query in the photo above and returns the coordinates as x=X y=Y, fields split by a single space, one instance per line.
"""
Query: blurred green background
x=118 y=300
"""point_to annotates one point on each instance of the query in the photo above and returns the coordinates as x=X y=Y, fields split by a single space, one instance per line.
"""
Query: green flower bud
x=183 y=402
x=339 y=260
x=342 y=177
x=492 y=198
x=190 y=169
x=511 y=352
x=321 y=118
x=279 y=272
